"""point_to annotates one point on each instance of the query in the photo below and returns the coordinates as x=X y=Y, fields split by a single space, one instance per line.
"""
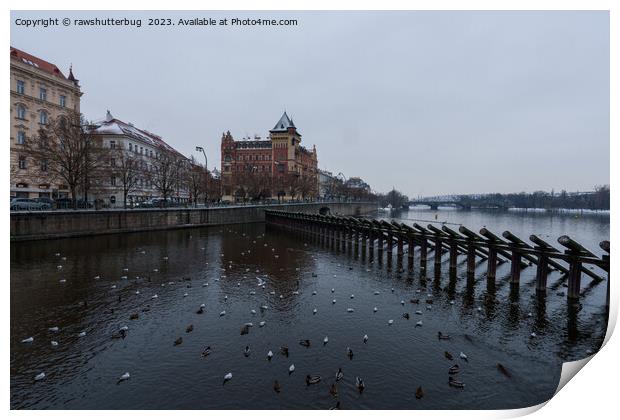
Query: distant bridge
x=460 y=204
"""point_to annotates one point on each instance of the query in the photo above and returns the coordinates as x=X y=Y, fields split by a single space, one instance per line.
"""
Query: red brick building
x=278 y=167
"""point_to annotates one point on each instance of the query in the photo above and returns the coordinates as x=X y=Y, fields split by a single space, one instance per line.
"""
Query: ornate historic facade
x=39 y=93
x=278 y=167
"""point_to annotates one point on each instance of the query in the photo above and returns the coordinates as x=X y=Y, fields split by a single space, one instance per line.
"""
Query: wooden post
x=492 y=263
x=411 y=252
x=400 y=250
x=574 y=277
x=471 y=259
x=423 y=253
x=542 y=269
x=438 y=254
x=515 y=266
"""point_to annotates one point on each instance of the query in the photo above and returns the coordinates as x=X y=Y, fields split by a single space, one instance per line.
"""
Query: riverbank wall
x=38 y=225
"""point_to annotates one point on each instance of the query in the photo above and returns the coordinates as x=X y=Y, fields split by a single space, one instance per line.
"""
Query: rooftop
x=36 y=62
x=283 y=124
x=114 y=126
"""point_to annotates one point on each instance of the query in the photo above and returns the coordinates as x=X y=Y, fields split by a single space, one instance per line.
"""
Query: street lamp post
x=201 y=149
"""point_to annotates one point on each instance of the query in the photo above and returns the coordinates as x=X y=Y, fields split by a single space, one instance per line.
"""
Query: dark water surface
x=490 y=324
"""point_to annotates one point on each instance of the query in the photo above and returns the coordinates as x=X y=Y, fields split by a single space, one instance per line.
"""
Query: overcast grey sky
x=428 y=102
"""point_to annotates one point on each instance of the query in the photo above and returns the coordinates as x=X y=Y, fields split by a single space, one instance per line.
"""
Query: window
x=141 y=149
x=292 y=142
x=63 y=101
x=20 y=87
x=112 y=162
x=130 y=147
x=112 y=199
x=44 y=165
x=151 y=153
x=43 y=94
x=21 y=137
x=112 y=144
x=21 y=112
x=42 y=117
x=22 y=162
x=113 y=180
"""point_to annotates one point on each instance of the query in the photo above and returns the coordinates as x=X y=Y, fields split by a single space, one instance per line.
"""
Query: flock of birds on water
x=360 y=385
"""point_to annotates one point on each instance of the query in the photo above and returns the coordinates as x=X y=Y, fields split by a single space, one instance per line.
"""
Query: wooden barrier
x=346 y=233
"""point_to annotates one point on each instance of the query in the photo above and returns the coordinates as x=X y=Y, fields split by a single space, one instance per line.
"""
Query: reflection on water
x=110 y=278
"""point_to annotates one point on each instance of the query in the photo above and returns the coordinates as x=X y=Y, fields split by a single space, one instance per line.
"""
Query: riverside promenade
x=37 y=225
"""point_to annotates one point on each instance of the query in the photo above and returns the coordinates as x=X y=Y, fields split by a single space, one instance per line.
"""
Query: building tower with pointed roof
x=279 y=167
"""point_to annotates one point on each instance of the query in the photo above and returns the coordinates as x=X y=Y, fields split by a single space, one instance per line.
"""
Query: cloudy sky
x=428 y=102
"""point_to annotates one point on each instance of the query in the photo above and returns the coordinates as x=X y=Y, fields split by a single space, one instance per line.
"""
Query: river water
x=107 y=279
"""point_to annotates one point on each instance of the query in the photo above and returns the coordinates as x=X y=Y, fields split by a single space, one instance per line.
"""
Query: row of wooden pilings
x=353 y=233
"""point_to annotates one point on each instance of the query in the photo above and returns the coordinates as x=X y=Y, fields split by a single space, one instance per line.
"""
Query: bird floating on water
x=246 y=351
x=178 y=341
x=189 y=328
x=40 y=376
x=463 y=356
x=333 y=390
x=261 y=324
x=314 y=311
x=284 y=350
x=227 y=377
x=269 y=355
x=314 y=379
x=28 y=340
x=349 y=353
x=206 y=351
x=406 y=315
x=359 y=383
x=276 y=387
x=53 y=329
x=390 y=322
x=339 y=374
x=325 y=340
x=419 y=393
x=374 y=309
x=291 y=369
x=82 y=334
x=305 y=343
x=419 y=323
x=454 y=369
x=503 y=370
x=54 y=343
x=222 y=313
x=448 y=355
x=365 y=338
x=349 y=309
x=454 y=383
x=443 y=336
x=125 y=376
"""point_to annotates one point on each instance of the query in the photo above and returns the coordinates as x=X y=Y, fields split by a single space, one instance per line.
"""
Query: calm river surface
x=95 y=285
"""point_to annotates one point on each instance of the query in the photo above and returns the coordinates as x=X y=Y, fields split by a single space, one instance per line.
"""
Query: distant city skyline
x=432 y=103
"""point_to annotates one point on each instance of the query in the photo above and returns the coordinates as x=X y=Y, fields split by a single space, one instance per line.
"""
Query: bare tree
x=128 y=169
x=198 y=178
x=64 y=149
x=163 y=172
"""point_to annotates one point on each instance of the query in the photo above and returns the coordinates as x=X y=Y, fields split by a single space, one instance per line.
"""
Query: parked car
x=67 y=203
x=45 y=200
x=28 y=204
x=155 y=202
